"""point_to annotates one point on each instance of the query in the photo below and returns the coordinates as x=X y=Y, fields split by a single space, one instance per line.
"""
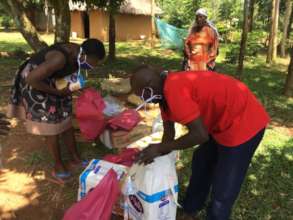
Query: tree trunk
x=153 y=23
x=285 y=28
x=24 y=25
x=273 y=39
x=289 y=27
x=112 y=36
x=243 y=38
x=289 y=80
x=63 y=20
x=47 y=14
x=251 y=14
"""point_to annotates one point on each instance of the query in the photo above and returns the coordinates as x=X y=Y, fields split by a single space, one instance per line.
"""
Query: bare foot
x=77 y=163
x=60 y=167
x=60 y=174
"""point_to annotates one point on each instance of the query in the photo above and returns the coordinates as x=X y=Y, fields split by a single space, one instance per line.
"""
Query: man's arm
x=197 y=134
x=169 y=131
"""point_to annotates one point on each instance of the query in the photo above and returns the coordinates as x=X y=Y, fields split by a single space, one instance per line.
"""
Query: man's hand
x=148 y=154
x=4 y=125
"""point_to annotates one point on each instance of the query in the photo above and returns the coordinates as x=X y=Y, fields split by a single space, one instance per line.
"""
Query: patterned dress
x=203 y=46
x=44 y=114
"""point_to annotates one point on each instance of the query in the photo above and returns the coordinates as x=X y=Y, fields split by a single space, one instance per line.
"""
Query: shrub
x=255 y=44
x=6 y=22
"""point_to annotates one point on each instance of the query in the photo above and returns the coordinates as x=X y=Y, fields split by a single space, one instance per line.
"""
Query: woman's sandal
x=61 y=177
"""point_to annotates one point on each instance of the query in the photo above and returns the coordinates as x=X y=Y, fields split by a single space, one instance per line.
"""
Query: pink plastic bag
x=126 y=157
x=89 y=113
x=126 y=120
x=98 y=204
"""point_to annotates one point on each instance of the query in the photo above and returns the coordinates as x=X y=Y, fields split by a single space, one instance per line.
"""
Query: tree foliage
x=179 y=16
x=24 y=24
x=63 y=20
x=109 y=5
x=181 y=12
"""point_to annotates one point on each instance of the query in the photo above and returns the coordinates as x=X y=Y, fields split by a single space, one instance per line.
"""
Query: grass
x=11 y=41
x=268 y=189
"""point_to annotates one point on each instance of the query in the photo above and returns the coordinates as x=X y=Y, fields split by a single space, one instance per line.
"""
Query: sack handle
x=174 y=194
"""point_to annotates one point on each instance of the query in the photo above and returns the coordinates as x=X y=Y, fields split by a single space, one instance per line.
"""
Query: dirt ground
x=27 y=190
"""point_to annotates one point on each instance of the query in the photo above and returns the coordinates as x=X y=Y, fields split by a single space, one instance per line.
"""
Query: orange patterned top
x=201 y=48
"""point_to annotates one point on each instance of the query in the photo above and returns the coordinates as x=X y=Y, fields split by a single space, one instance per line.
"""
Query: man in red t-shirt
x=222 y=116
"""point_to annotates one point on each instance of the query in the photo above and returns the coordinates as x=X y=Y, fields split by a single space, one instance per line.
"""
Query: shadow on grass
x=122 y=66
x=8 y=68
x=268 y=188
x=12 y=46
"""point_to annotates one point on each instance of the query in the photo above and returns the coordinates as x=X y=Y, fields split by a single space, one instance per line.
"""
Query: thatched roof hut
x=133 y=20
x=135 y=7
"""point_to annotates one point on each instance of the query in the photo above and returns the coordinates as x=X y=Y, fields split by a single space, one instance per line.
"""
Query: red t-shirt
x=229 y=110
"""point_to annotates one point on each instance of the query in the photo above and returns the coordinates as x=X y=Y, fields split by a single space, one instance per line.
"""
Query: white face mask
x=83 y=64
x=151 y=98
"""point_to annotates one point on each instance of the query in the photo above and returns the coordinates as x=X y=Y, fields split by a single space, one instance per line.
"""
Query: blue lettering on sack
x=164 y=203
x=97 y=169
x=157 y=196
x=84 y=175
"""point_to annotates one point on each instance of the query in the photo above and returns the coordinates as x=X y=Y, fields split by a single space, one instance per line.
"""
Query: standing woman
x=201 y=45
x=46 y=110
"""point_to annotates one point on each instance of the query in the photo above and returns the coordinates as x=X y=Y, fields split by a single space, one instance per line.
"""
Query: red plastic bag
x=126 y=157
x=126 y=120
x=98 y=204
x=89 y=113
